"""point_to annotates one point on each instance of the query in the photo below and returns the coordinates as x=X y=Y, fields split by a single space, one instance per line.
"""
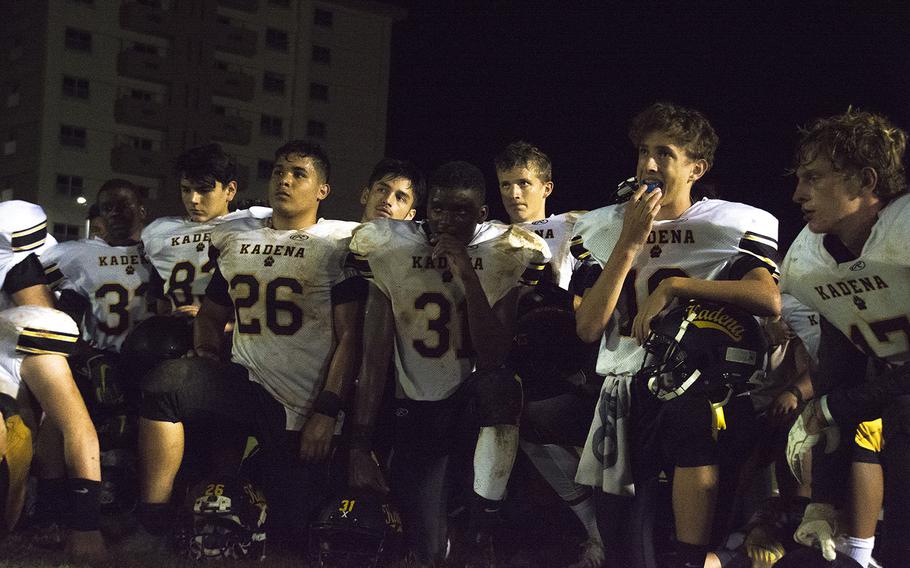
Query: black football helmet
x=154 y=340
x=703 y=347
x=545 y=346
x=356 y=529
x=226 y=519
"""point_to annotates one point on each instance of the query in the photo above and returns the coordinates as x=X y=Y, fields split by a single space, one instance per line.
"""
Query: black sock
x=690 y=555
x=83 y=507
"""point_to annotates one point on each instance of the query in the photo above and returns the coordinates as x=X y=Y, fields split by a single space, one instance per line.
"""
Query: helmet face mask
x=703 y=347
x=227 y=521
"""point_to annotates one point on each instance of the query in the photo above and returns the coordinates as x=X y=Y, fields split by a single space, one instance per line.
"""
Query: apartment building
x=95 y=89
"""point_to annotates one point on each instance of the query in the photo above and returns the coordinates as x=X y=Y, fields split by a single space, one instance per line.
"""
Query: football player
x=851 y=264
x=394 y=191
x=658 y=247
x=444 y=301
x=295 y=349
x=177 y=247
x=35 y=340
x=525 y=181
x=106 y=279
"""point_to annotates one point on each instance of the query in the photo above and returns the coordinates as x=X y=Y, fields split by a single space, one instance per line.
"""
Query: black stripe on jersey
x=577 y=249
x=29 y=239
x=533 y=273
x=760 y=246
x=42 y=342
x=360 y=264
x=53 y=275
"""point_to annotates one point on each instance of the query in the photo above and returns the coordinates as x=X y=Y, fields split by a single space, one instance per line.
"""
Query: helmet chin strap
x=678 y=391
x=670 y=395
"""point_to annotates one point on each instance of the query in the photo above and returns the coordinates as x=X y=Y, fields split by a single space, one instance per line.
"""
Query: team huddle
x=693 y=394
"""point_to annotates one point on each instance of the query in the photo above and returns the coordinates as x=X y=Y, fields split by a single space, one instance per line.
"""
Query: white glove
x=819 y=527
x=802 y=439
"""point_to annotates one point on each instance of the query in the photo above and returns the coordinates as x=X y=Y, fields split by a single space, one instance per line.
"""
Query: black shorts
x=563 y=420
x=216 y=397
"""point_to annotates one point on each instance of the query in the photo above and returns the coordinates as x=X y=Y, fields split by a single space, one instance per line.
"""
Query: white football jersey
x=113 y=279
x=23 y=231
x=31 y=330
x=432 y=349
x=867 y=298
x=557 y=231
x=280 y=283
x=704 y=242
x=804 y=321
x=178 y=249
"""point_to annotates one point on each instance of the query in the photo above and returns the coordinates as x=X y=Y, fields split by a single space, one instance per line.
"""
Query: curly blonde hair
x=856 y=140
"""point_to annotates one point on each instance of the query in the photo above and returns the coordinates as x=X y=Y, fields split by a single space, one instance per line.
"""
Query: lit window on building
x=72 y=136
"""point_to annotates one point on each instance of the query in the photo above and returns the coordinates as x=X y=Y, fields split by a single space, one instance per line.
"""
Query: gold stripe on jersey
x=53 y=275
x=533 y=273
x=29 y=239
x=42 y=342
x=360 y=264
x=577 y=249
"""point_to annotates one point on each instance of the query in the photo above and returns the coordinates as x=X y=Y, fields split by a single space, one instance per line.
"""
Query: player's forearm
x=491 y=337
x=346 y=358
x=38 y=295
x=760 y=297
x=378 y=343
x=208 y=327
x=599 y=302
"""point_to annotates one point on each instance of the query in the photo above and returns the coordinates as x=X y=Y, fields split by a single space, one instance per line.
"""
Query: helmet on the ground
x=226 y=520
x=355 y=529
x=703 y=347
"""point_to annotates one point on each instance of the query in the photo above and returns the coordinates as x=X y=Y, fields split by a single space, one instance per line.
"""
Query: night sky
x=469 y=77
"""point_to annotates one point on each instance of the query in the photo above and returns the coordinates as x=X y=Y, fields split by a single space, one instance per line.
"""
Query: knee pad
x=497 y=396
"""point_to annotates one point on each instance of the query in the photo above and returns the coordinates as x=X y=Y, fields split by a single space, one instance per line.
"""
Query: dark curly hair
x=687 y=128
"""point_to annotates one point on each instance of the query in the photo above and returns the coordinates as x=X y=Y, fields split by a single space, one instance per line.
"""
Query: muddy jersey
x=433 y=355
x=867 y=298
x=712 y=240
x=178 y=251
x=113 y=279
x=557 y=231
x=280 y=284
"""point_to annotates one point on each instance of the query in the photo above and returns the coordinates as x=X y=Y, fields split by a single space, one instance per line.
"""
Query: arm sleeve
x=352 y=289
x=26 y=274
x=156 y=284
x=217 y=290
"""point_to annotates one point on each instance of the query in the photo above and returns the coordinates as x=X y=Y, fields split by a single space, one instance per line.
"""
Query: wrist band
x=797 y=393
x=327 y=403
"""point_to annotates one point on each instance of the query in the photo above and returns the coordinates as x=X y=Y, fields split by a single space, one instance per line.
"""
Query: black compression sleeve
x=353 y=289
x=26 y=274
